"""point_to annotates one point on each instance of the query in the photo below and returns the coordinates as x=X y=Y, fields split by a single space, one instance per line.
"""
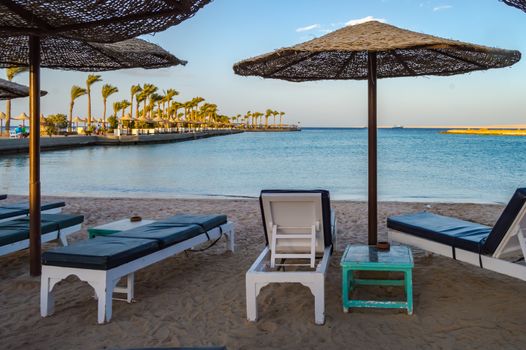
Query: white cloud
x=441 y=8
x=307 y=28
x=353 y=22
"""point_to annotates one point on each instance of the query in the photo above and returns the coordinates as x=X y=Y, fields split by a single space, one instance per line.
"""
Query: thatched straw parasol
x=87 y=20
x=520 y=4
x=10 y=90
x=127 y=117
x=78 y=119
x=67 y=54
x=101 y=20
x=369 y=51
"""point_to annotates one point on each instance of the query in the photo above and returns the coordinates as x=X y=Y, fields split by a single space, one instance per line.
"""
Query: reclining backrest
x=507 y=219
x=297 y=208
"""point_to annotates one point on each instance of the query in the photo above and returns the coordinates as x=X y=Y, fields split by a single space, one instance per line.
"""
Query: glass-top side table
x=369 y=258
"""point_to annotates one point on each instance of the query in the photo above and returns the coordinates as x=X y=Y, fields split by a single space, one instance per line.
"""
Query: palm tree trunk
x=131 y=105
x=8 y=115
x=71 y=104
x=104 y=112
x=89 y=106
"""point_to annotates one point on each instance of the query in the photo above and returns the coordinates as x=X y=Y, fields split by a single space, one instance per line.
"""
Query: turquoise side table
x=369 y=258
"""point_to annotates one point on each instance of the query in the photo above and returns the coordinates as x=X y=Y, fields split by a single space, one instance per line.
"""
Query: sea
x=415 y=165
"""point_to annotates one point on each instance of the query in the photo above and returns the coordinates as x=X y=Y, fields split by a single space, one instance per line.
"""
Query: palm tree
x=147 y=91
x=107 y=90
x=76 y=92
x=281 y=114
x=268 y=113
x=92 y=79
x=176 y=105
x=274 y=115
x=168 y=95
x=134 y=90
x=124 y=104
x=10 y=73
x=255 y=117
x=117 y=106
x=247 y=117
x=155 y=98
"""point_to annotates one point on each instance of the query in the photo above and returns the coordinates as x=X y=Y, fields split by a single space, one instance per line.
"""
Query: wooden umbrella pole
x=34 y=156
x=372 y=130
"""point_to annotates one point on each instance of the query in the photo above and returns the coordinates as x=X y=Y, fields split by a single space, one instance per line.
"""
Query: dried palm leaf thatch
x=10 y=90
x=68 y=54
x=343 y=53
x=90 y=20
x=520 y=4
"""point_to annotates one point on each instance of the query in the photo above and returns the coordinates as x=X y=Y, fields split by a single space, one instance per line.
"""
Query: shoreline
x=18 y=146
x=226 y=197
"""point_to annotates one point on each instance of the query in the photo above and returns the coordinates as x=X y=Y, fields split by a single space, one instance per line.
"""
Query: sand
x=198 y=299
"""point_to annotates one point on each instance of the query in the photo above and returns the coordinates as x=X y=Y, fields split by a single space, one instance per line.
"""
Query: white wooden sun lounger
x=501 y=249
x=103 y=261
x=299 y=225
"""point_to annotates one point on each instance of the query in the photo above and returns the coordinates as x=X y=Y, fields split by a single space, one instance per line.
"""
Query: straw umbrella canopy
x=101 y=20
x=127 y=117
x=67 y=54
x=86 y=20
x=369 y=51
x=78 y=120
x=22 y=117
x=10 y=90
x=520 y=4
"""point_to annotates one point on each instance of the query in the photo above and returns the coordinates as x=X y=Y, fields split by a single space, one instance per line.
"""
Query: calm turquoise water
x=414 y=165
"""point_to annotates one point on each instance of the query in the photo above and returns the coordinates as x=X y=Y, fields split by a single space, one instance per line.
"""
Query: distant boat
x=397 y=127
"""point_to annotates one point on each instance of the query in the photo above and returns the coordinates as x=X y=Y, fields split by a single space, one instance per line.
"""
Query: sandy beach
x=198 y=299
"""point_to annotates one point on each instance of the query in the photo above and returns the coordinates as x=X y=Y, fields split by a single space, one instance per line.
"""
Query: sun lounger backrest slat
x=300 y=209
x=504 y=224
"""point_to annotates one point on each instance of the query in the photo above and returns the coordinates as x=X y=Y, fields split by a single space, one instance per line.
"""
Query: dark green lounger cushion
x=12 y=235
x=18 y=229
x=18 y=209
x=43 y=206
x=100 y=253
x=207 y=222
x=6 y=213
x=166 y=234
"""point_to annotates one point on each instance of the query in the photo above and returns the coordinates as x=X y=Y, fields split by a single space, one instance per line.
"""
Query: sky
x=227 y=31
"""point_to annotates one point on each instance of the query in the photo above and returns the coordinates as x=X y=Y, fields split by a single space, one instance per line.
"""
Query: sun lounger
x=500 y=248
x=299 y=226
x=19 y=210
x=14 y=234
x=104 y=260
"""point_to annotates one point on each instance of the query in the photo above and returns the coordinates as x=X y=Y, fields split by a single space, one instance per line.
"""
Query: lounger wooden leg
x=104 y=296
x=230 y=236
x=130 y=282
x=47 y=301
x=317 y=289
x=252 y=293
